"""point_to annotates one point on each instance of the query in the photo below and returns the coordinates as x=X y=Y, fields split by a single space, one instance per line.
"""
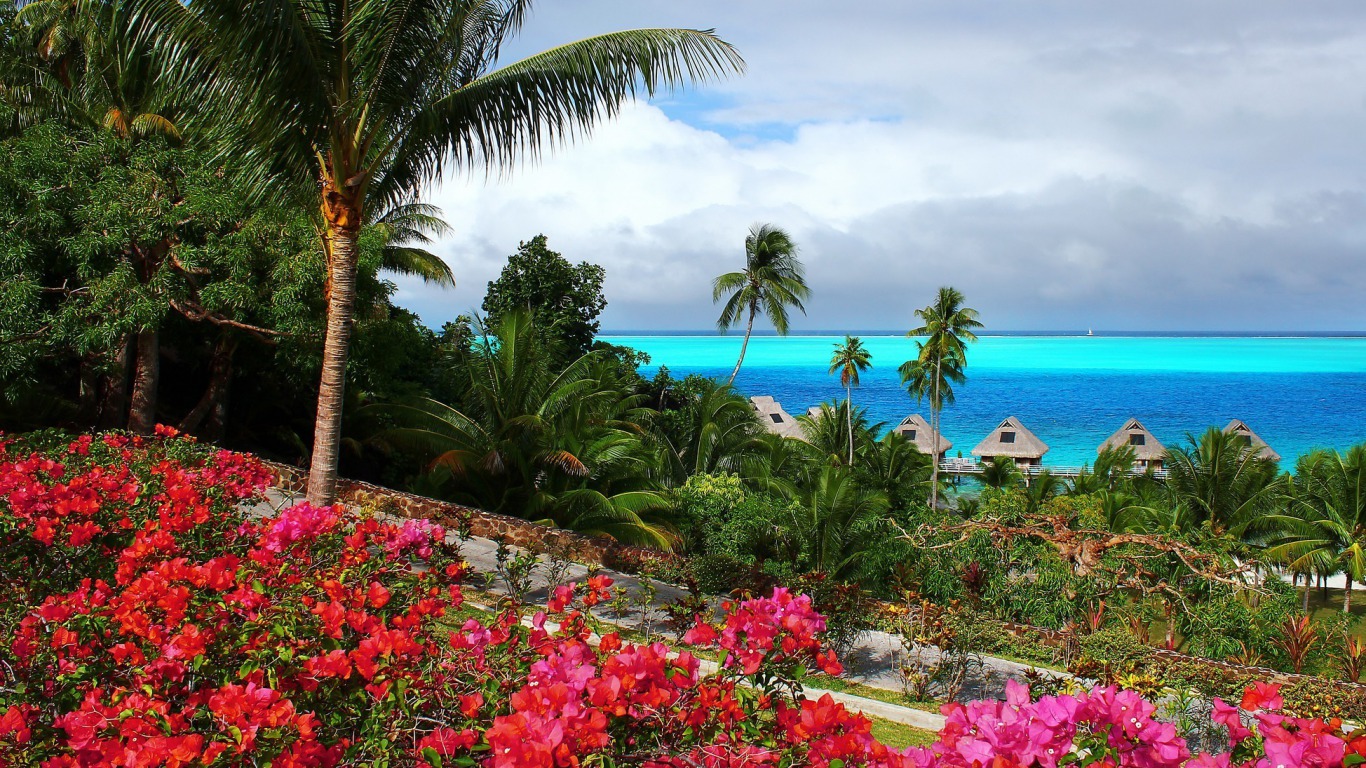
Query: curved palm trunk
x=322 y=472
x=743 y=346
x=142 y=414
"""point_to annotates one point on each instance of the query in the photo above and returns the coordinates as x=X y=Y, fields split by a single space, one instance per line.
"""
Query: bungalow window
x=1007 y=437
x=776 y=418
x=910 y=434
x=1137 y=440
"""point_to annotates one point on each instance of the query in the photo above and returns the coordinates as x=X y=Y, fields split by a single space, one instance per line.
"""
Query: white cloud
x=1056 y=160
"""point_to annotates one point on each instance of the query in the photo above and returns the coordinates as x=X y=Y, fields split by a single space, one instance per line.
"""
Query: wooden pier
x=966 y=468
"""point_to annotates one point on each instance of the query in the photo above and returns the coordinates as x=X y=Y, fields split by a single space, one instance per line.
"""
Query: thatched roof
x=1013 y=440
x=1240 y=428
x=919 y=432
x=775 y=419
x=1133 y=434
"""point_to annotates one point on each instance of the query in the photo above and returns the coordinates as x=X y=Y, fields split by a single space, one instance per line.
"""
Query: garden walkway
x=872 y=661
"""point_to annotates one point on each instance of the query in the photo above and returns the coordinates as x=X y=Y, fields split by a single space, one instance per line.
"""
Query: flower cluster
x=181 y=632
x=771 y=630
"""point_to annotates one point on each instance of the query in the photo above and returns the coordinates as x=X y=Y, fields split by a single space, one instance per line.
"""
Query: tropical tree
x=837 y=520
x=359 y=104
x=850 y=359
x=1323 y=530
x=1000 y=472
x=1215 y=481
x=947 y=327
x=772 y=281
x=830 y=428
x=557 y=446
x=405 y=229
x=715 y=431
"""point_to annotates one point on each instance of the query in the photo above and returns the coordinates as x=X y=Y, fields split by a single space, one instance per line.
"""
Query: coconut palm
x=405 y=229
x=359 y=104
x=1324 y=526
x=1215 y=481
x=850 y=359
x=830 y=428
x=772 y=281
x=948 y=327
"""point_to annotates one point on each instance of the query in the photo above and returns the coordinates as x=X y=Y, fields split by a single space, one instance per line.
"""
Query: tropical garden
x=204 y=206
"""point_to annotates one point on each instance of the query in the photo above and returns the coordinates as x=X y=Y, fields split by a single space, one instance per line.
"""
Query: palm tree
x=1216 y=481
x=772 y=281
x=562 y=447
x=1000 y=472
x=405 y=229
x=357 y=104
x=1324 y=528
x=850 y=359
x=837 y=519
x=830 y=429
x=948 y=327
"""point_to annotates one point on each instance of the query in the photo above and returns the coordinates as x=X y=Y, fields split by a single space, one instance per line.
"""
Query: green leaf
x=431 y=756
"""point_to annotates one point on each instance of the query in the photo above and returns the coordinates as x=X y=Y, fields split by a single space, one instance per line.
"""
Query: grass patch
x=900 y=736
x=840 y=685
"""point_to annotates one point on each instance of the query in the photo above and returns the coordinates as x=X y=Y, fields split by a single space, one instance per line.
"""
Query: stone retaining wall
x=590 y=550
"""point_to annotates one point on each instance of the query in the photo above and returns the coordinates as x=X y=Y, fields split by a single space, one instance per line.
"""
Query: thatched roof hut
x=1240 y=428
x=916 y=429
x=775 y=419
x=1012 y=440
x=1148 y=450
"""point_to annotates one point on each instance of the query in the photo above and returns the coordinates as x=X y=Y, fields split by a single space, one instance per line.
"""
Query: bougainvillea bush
x=147 y=621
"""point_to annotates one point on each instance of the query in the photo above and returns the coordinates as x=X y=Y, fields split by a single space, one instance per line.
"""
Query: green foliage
x=563 y=299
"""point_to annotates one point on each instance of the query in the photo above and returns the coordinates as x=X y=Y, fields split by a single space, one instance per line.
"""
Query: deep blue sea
x=1298 y=393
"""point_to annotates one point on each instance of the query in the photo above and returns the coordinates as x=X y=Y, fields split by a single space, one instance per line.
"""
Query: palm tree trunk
x=142 y=414
x=322 y=472
x=934 y=415
x=1308 y=587
x=849 y=420
x=743 y=346
x=1347 y=595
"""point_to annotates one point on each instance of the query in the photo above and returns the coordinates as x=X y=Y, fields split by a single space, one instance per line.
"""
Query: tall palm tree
x=948 y=327
x=1324 y=527
x=850 y=359
x=773 y=280
x=357 y=104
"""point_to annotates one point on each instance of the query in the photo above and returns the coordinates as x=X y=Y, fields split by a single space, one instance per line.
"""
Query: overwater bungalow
x=916 y=429
x=775 y=419
x=1254 y=442
x=1013 y=441
x=1148 y=450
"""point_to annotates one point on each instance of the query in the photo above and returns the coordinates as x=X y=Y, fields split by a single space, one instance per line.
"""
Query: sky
x=1066 y=164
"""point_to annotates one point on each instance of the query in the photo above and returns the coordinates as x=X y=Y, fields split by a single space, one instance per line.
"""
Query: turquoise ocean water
x=1072 y=391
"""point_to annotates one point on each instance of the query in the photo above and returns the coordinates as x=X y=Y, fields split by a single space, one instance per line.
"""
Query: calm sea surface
x=1071 y=391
